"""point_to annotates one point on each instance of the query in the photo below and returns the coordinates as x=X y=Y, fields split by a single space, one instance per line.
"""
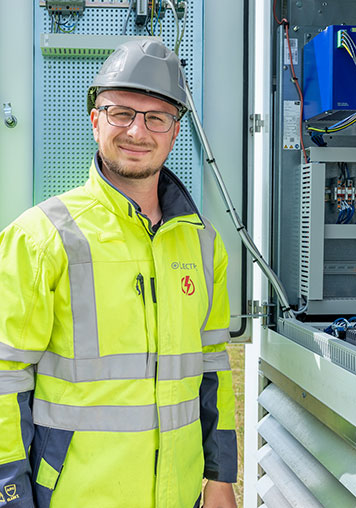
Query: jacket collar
x=174 y=198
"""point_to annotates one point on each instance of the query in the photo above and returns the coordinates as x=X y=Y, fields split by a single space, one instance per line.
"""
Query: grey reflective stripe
x=178 y=415
x=180 y=366
x=95 y=418
x=124 y=366
x=13 y=381
x=209 y=337
x=207 y=239
x=12 y=354
x=81 y=278
x=216 y=361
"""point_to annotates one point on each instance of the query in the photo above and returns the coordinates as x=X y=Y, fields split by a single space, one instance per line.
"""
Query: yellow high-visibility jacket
x=121 y=334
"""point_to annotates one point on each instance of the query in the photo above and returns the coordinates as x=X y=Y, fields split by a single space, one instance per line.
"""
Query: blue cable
x=157 y=17
x=341 y=121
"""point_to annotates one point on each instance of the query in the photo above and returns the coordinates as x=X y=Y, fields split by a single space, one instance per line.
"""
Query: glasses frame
x=144 y=113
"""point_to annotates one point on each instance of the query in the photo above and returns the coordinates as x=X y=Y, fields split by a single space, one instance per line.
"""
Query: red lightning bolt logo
x=188 y=287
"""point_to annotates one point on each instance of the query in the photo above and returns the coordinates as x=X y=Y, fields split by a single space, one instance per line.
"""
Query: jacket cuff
x=227 y=470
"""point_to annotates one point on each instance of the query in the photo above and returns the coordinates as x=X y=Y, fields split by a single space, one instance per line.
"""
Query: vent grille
x=304 y=278
x=304 y=461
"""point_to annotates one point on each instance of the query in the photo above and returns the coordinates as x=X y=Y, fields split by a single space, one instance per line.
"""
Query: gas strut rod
x=245 y=237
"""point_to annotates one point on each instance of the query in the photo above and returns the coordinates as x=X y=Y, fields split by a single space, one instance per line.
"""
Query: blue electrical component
x=330 y=74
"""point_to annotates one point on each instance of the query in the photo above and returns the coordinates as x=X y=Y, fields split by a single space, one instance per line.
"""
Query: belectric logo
x=188 y=287
x=183 y=266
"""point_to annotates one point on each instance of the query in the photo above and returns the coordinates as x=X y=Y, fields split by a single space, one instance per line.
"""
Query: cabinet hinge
x=257 y=123
x=256 y=310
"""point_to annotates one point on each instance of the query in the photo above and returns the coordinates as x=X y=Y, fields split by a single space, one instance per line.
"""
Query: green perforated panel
x=64 y=144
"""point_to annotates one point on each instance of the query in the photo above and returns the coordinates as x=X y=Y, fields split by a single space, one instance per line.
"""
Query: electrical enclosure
x=329 y=76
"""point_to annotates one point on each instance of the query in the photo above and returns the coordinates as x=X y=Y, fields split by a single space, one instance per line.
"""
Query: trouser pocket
x=48 y=452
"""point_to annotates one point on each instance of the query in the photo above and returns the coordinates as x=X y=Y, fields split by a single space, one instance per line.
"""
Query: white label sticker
x=291 y=118
x=294 y=50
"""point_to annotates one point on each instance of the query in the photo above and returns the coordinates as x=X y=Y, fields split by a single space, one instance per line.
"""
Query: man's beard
x=118 y=168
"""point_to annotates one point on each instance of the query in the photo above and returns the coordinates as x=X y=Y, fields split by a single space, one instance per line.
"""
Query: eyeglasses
x=121 y=116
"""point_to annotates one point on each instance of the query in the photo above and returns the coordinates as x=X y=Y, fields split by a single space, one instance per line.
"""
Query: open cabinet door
x=300 y=381
x=261 y=217
x=16 y=92
x=227 y=109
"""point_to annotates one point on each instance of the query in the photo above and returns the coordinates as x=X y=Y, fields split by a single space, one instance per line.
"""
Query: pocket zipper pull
x=140 y=287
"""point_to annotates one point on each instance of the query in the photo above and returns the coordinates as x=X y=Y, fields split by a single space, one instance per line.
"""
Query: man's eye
x=155 y=118
x=121 y=114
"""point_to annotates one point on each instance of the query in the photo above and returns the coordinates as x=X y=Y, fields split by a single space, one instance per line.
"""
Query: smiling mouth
x=130 y=150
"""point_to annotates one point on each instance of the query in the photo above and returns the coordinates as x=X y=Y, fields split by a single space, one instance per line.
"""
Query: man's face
x=134 y=151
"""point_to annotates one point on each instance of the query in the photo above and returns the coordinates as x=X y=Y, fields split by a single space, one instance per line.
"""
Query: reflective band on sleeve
x=80 y=277
x=124 y=366
x=95 y=418
x=214 y=362
x=180 y=366
x=13 y=381
x=207 y=239
x=12 y=354
x=209 y=337
x=178 y=415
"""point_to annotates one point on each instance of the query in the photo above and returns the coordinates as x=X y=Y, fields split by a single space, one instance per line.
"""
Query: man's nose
x=138 y=127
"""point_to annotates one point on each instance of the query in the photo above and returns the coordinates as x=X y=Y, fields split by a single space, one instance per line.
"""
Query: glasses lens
x=158 y=121
x=120 y=116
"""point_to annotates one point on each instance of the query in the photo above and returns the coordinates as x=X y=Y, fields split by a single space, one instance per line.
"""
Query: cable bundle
x=346 y=206
x=343 y=124
x=346 y=213
x=154 y=19
x=348 y=43
x=318 y=139
x=340 y=326
x=67 y=26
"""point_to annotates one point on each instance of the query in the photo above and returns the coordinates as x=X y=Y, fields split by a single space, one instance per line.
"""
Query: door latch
x=10 y=120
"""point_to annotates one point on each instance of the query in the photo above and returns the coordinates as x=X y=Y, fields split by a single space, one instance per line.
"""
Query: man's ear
x=94 y=118
x=175 y=133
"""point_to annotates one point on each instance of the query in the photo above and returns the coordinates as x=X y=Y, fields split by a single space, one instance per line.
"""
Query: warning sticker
x=291 y=116
x=294 y=50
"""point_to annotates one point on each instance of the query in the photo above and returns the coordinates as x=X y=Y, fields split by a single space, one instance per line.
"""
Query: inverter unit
x=330 y=74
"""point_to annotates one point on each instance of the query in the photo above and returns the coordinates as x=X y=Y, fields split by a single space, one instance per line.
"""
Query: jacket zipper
x=140 y=288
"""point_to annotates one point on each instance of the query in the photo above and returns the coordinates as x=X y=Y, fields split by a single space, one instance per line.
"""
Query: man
x=115 y=295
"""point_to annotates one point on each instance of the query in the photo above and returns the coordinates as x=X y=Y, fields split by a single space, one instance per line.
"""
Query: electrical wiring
x=340 y=325
x=57 y=25
x=302 y=309
x=346 y=213
x=348 y=43
x=184 y=25
x=124 y=28
x=65 y=28
x=344 y=124
x=318 y=139
x=157 y=18
x=176 y=48
x=152 y=11
x=285 y=23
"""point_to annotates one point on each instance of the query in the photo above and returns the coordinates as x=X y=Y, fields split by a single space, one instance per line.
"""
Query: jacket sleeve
x=25 y=324
x=217 y=400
